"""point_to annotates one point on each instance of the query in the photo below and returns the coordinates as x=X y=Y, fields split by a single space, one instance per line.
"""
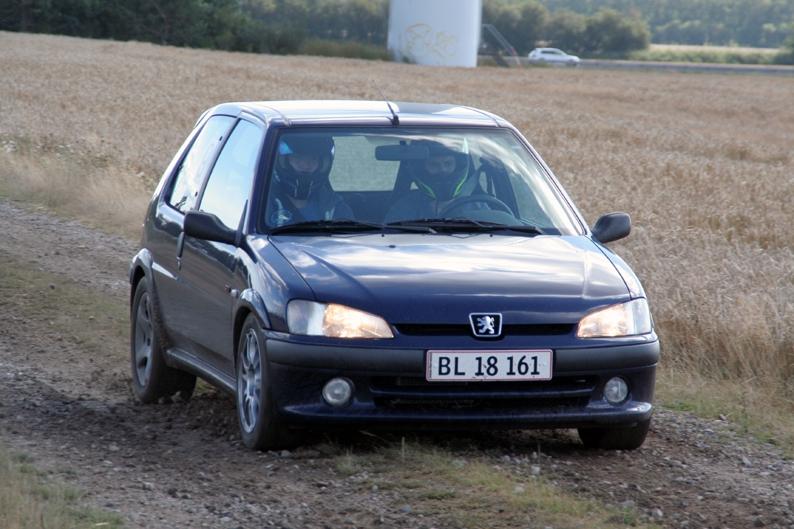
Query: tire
x=260 y=426
x=615 y=438
x=152 y=379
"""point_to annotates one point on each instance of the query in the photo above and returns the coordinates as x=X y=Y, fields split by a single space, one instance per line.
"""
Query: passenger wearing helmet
x=444 y=175
x=301 y=191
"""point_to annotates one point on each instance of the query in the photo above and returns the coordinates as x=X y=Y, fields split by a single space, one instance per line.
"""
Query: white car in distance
x=552 y=56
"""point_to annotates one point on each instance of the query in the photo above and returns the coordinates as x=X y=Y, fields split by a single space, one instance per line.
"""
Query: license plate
x=489 y=365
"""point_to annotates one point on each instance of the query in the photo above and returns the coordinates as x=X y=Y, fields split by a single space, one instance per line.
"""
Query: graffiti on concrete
x=425 y=45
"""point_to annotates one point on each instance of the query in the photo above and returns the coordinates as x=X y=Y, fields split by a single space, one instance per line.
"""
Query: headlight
x=335 y=321
x=627 y=319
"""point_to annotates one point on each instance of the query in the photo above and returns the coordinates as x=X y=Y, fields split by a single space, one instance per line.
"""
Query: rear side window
x=231 y=179
x=194 y=166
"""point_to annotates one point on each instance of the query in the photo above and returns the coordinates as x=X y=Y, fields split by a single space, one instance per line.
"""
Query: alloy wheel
x=249 y=382
x=144 y=334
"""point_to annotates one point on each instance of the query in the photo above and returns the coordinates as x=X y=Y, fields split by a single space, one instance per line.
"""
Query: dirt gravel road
x=182 y=465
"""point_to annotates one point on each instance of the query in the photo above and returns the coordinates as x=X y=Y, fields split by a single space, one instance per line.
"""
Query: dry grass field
x=703 y=163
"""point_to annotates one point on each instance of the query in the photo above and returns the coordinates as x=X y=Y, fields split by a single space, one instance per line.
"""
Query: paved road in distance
x=689 y=67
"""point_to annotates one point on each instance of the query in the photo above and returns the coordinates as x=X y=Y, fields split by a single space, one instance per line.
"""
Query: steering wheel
x=459 y=202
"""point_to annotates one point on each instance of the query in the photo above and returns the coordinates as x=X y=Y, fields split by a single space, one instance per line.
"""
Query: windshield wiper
x=468 y=225
x=344 y=225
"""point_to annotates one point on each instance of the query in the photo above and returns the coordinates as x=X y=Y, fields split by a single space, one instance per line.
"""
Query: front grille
x=416 y=393
x=554 y=329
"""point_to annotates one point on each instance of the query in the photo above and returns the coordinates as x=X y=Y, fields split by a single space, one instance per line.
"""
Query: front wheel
x=615 y=438
x=260 y=427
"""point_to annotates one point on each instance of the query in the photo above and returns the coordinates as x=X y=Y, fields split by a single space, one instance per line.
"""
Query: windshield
x=469 y=178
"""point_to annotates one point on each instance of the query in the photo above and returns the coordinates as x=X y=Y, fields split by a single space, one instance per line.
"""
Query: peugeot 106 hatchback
x=396 y=265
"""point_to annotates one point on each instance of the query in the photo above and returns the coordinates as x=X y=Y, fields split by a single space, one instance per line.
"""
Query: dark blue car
x=397 y=265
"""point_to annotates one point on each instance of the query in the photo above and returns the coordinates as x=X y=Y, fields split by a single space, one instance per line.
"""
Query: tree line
x=284 y=26
x=269 y=26
x=604 y=32
x=761 y=23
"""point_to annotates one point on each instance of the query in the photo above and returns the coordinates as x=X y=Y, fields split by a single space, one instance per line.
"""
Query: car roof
x=345 y=112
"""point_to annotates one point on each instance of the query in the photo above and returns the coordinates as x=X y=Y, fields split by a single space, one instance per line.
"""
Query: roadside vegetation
x=29 y=500
x=712 y=54
x=703 y=164
x=349 y=49
x=115 y=195
x=753 y=410
x=764 y=24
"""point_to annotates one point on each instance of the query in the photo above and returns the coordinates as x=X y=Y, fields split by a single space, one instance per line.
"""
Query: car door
x=165 y=232
x=210 y=270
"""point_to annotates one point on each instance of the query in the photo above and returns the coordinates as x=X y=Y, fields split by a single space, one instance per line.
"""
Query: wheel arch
x=250 y=303
x=140 y=267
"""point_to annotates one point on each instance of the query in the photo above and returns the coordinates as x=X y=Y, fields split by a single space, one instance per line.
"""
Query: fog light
x=337 y=392
x=616 y=390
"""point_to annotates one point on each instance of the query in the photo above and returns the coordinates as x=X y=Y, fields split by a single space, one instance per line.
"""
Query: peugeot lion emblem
x=486 y=325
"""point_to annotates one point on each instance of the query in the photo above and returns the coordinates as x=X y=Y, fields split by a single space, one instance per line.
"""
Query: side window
x=188 y=178
x=231 y=179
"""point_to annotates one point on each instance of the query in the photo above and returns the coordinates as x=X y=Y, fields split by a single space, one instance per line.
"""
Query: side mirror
x=208 y=227
x=611 y=227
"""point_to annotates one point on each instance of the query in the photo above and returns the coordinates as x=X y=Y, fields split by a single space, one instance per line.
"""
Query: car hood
x=419 y=278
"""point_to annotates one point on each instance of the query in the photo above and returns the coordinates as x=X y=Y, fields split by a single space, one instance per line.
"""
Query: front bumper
x=391 y=391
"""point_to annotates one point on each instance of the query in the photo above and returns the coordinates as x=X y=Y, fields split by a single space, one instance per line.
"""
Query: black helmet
x=444 y=172
x=300 y=183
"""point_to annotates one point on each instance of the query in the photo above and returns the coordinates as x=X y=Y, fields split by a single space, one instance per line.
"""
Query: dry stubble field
x=703 y=163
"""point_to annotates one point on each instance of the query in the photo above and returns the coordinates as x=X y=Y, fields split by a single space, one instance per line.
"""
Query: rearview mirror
x=207 y=226
x=611 y=227
x=398 y=153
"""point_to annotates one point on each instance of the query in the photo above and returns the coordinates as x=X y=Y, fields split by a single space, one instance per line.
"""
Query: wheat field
x=703 y=163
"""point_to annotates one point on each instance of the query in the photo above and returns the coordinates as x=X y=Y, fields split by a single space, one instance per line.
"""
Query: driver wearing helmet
x=301 y=191
x=440 y=178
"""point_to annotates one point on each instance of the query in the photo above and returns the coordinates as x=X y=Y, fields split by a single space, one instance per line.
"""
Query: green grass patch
x=707 y=54
x=29 y=500
x=344 y=48
x=97 y=322
x=473 y=492
x=760 y=411
x=347 y=464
